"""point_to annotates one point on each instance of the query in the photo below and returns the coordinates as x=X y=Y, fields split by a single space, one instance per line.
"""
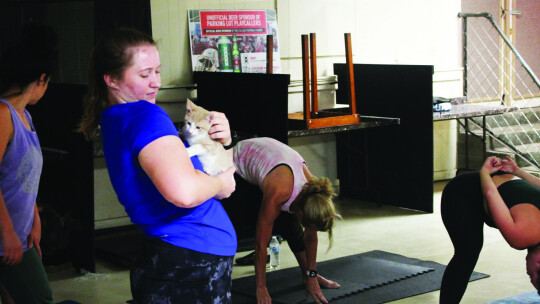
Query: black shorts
x=243 y=208
x=288 y=226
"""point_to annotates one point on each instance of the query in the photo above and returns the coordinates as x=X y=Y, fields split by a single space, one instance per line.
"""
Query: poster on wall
x=232 y=40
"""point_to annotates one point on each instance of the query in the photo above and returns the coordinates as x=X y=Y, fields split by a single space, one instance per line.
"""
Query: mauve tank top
x=20 y=170
x=254 y=158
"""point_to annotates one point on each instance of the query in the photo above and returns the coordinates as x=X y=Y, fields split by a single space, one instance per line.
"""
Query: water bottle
x=274 y=253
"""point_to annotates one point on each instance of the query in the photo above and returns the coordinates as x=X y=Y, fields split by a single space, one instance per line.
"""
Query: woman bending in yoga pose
x=503 y=196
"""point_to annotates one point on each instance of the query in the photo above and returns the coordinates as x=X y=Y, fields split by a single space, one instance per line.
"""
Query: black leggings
x=164 y=273
x=462 y=211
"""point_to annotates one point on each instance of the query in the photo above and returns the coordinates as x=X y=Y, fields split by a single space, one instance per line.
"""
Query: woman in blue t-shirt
x=503 y=196
x=187 y=255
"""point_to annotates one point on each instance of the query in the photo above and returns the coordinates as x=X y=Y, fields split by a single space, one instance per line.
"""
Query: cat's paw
x=196 y=149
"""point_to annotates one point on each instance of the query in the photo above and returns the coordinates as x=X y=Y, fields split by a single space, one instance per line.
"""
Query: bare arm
x=528 y=177
x=311 y=240
x=35 y=233
x=510 y=166
x=520 y=230
x=10 y=241
x=268 y=213
x=312 y=284
x=168 y=165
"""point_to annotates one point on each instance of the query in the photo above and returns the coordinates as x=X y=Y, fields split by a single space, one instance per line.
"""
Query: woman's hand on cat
x=220 y=128
x=228 y=184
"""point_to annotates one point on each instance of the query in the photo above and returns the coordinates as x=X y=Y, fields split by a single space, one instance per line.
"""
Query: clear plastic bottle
x=274 y=253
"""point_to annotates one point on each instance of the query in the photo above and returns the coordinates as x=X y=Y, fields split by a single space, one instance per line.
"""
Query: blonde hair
x=318 y=207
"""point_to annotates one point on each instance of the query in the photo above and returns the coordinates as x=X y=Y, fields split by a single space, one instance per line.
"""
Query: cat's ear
x=190 y=106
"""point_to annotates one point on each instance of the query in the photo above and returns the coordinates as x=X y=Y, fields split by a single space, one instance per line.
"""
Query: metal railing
x=494 y=72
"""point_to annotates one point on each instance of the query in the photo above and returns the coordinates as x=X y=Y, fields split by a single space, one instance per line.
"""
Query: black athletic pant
x=164 y=273
x=463 y=216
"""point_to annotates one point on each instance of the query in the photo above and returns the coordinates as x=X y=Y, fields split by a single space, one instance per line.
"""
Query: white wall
x=391 y=31
x=425 y=32
x=387 y=32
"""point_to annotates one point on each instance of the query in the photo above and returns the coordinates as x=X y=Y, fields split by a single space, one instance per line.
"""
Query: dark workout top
x=515 y=192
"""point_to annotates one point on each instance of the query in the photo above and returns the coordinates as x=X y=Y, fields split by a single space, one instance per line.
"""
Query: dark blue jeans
x=164 y=273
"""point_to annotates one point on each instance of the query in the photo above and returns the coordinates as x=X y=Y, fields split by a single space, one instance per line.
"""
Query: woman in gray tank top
x=25 y=72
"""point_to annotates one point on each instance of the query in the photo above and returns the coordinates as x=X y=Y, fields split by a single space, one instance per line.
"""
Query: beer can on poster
x=225 y=54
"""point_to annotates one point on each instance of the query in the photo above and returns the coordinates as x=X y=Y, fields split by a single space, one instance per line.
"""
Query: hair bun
x=320 y=185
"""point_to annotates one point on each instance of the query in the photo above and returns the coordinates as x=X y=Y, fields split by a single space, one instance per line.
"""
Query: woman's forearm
x=37 y=219
x=524 y=175
x=263 y=233
x=486 y=182
x=260 y=265
x=268 y=213
x=168 y=165
x=6 y=226
x=311 y=240
x=497 y=208
x=499 y=211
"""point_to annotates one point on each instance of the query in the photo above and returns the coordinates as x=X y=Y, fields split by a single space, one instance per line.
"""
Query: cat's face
x=197 y=122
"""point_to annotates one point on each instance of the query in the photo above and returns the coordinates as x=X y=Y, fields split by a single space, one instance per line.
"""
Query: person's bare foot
x=325 y=283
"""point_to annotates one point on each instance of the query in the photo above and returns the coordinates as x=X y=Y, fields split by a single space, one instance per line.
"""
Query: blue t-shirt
x=126 y=129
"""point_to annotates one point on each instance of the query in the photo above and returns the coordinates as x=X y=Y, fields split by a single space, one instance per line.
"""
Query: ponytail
x=112 y=55
x=318 y=207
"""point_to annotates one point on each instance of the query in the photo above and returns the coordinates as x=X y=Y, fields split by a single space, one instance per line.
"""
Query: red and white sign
x=233 y=22
x=216 y=34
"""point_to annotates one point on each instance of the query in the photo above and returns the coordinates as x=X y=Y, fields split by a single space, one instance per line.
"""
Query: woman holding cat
x=190 y=242
x=292 y=198
x=501 y=195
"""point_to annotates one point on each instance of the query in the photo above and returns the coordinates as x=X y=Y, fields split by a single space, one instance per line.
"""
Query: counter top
x=365 y=123
x=466 y=110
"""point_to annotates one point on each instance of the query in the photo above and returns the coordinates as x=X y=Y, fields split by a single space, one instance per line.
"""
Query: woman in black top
x=501 y=195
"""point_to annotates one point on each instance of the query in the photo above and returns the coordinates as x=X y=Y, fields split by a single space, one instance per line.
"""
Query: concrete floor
x=365 y=227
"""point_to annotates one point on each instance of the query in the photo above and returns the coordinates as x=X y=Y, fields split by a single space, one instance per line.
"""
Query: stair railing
x=494 y=71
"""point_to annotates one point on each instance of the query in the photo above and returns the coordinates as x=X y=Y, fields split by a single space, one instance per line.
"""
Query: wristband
x=234 y=141
x=311 y=273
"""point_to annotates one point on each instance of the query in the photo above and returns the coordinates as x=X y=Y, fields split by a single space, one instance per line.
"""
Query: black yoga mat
x=371 y=277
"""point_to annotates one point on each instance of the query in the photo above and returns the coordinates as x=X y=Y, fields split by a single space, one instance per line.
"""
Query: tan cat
x=214 y=158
